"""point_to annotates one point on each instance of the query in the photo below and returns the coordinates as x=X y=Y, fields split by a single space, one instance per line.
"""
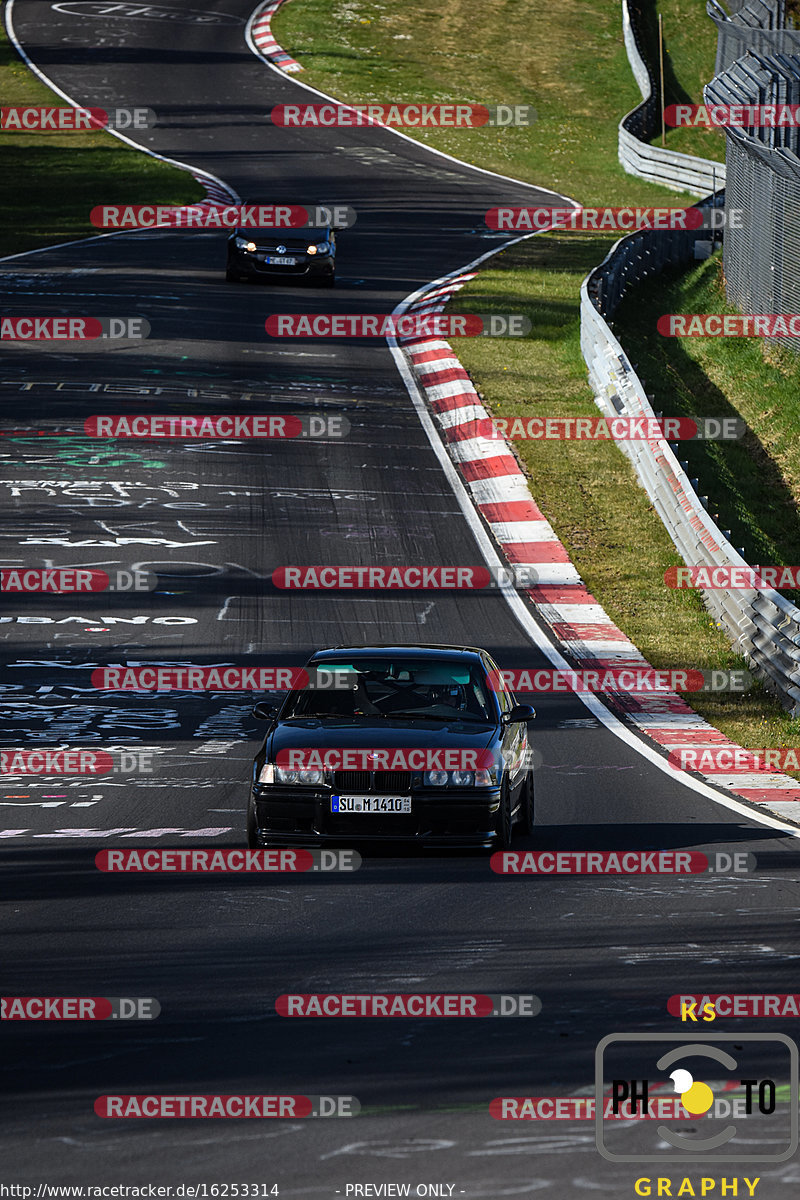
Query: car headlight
x=319 y=248
x=436 y=778
x=481 y=778
x=243 y=244
x=269 y=773
x=286 y=775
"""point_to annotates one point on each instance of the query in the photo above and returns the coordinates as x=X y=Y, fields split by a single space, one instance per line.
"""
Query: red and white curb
x=216 y=191
x=260 y=31
x=500 y=492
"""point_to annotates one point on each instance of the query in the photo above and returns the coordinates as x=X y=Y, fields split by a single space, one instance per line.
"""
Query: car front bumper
x=244 y=263
x=297 y=816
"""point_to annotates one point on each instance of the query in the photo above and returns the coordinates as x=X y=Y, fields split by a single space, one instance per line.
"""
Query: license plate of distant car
x=281 y=260
x=371 y=804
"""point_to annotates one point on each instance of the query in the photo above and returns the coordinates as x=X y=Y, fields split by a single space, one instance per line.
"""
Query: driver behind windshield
x=395 y=690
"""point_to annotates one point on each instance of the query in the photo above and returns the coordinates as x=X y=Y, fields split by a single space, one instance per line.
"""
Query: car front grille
x=380 y=782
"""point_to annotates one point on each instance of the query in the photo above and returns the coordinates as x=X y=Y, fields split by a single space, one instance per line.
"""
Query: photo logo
x=635 y=1068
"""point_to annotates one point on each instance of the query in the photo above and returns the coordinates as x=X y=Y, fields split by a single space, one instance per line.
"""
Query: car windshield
x=401 y=689
x=312 y=233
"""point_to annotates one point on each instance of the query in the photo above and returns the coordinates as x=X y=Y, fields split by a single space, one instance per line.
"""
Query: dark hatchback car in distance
x=303 y=254
x=441 y=702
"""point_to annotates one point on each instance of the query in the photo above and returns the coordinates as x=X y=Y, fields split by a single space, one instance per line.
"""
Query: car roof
x=392 y=649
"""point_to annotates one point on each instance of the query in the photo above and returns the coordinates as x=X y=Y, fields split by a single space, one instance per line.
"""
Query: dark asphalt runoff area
x=213 y=521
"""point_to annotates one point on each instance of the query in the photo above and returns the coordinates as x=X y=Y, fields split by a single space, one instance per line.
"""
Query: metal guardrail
x=763 y=626
x=679 y=172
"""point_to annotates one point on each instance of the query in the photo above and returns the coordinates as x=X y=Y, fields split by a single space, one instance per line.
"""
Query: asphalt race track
x=213 y=520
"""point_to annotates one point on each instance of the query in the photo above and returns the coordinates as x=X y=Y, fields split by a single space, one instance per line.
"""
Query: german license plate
x=281 y=260
x=371 y=804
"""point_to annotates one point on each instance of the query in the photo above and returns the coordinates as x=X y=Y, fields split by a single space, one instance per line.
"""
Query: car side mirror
x=518 y=714
x=263 y=711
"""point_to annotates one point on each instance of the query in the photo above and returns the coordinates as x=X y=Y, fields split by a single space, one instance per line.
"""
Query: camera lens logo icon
x=639 y=1075
x=696 y=1098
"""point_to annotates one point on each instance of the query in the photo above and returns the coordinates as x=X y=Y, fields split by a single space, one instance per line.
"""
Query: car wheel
x=232 y=277
x=329 y=281
x=253 y=840
x=504 y=831
x=528 y=808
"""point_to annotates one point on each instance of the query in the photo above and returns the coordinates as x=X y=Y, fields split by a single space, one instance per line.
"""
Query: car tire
x=528 y=807
x=253 y=840
x=328 y=281
x=232 y=277
x=504 y=827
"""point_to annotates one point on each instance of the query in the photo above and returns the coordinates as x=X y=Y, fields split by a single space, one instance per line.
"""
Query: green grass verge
x=50 y=182
x=690 y=45
x=753 y=484
x=567 y=60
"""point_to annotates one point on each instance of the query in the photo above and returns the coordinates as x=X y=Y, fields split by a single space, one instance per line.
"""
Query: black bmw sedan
x=293 y=254
x=394 y=743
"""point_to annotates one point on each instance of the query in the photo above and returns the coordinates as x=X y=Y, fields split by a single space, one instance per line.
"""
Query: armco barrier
x=763 y=626
x=680 y=172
